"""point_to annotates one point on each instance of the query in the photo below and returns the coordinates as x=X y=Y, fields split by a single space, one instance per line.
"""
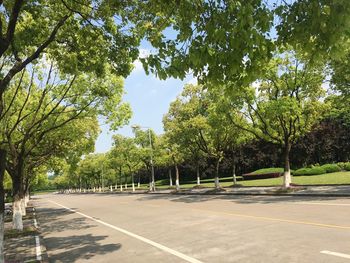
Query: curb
x=227 y=194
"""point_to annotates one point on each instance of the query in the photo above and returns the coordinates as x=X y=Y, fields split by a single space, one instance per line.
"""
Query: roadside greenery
x=261 y=100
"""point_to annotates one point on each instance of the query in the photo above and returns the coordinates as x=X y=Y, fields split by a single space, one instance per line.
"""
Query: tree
x=127 y=150
x=284 y=107
x=194 y=121
x=42 y=110
x=146 y=140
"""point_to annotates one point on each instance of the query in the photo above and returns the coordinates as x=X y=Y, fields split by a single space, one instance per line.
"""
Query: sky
x=149 y=98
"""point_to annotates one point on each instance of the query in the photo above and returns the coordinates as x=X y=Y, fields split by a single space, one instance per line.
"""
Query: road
x=169 y=228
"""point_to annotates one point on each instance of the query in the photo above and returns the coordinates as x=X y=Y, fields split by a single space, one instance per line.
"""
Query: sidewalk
x=25 y=246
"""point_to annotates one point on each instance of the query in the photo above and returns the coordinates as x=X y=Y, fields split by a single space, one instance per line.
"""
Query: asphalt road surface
x=168 y=228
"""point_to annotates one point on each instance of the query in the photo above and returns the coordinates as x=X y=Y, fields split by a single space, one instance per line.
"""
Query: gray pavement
x=194 y=228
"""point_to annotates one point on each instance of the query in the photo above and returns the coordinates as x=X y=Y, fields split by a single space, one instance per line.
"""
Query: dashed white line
x=38 y=248
x=337 y=254
x=35 y=223
x=143 y=239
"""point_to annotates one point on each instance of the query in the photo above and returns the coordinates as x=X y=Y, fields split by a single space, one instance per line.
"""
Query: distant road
x=167 y=228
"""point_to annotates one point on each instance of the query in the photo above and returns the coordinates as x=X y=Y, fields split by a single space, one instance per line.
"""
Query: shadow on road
x=52 y=220
x=60 y=229
x=239 y=199
x=82 y=247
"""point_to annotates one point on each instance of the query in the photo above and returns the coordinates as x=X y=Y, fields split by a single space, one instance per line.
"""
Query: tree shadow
x=241 y=198
x=82 y=247
x=70 y=247
x=51 y=220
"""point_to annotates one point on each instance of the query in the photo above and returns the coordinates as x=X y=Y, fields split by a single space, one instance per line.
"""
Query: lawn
x=329 y=178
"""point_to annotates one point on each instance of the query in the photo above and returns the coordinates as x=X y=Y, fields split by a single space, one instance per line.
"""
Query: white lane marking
x=331 y=204
x=35 y=223
x=143 y=239
x=337 y=254
x=37 y=248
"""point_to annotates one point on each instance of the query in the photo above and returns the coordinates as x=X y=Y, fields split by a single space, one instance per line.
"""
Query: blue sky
x=149 y=98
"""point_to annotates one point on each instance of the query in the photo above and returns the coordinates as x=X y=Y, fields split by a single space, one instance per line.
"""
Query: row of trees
x=207 y=124
x=87 y=45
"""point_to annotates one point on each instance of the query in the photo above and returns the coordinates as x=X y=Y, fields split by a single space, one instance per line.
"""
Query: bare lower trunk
x=121 y=188
x=2 y=202
x=17 y=222
x=23 y=207
x=287 y=179
x=132 y=183
x=26 y=198
x=177 y=178
x=139 y=182
x=217 y=183
x=111 y=188
x=198 y=176
x=234 y=174
x=170 y=179
x=153 y=180
x=2 y=237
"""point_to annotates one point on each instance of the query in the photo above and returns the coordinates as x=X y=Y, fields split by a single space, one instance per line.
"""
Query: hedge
x=347 y=167
x=344 y=166
x=268 y=170
x=310 y=171
x=331 y=168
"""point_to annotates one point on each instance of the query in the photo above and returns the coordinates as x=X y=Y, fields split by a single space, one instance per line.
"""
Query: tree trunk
x=17 y=188
x=139 y=181
x=234 y=173
x=132 y=182
x=177 y=177
x=217 y=183
x=153 y=189
x=287 y=179
x=2 y=201
x=170 y=178
x=198 y=175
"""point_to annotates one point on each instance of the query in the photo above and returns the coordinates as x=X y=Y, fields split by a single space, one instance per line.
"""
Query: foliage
x=310 y=171
x=216 y=39
x=79 y=36
x=331 y=168
x=268 y=170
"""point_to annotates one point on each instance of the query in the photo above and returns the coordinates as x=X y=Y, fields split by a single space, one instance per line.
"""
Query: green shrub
x=268 y=170
x=347 y=166
x=331 y=168
x=341 y=165
x=310 y=171
x=344 y=166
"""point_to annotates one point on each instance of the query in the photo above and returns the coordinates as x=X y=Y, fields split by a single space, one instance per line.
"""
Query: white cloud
x=137 y=63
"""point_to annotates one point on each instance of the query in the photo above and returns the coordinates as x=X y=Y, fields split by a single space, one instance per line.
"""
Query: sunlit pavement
x=169 y=228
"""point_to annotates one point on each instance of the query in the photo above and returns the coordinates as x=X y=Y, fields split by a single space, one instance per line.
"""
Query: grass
x=329 y=178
